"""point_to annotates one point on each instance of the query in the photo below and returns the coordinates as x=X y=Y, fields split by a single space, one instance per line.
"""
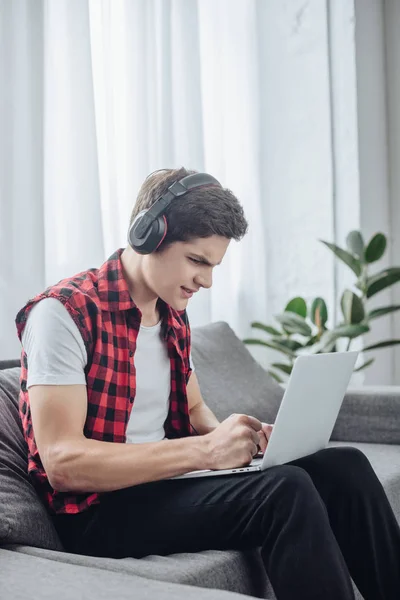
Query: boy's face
x=184 y=265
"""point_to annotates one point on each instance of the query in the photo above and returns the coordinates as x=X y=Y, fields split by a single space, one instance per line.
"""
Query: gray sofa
x=32 y=560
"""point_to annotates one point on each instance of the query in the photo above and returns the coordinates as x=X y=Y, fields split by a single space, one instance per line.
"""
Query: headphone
x=149 y=228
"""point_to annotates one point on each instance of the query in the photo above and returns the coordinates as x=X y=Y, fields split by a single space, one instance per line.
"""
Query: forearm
x=203 y=419
x=93 y=466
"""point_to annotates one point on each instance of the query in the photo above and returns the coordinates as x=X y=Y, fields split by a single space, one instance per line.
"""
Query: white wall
x=327 y=155
x=392 y=28
x=344 y=152
x=375 y=210
x=295 y=157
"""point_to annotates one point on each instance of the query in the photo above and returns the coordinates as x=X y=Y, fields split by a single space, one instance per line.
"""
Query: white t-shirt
x=57 y=356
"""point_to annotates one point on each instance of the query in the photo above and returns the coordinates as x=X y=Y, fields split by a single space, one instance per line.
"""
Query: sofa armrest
x=369 y=414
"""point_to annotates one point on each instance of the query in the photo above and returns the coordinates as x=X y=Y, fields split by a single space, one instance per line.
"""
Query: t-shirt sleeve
x=191 y=361
x=54 y=346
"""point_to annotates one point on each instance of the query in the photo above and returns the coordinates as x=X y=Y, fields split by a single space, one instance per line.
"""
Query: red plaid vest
x=99 y=302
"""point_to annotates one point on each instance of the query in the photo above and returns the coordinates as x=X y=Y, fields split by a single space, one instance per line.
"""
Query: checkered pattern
x=99 y=302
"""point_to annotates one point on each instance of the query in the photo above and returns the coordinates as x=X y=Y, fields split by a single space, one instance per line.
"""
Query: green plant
x=302 y=329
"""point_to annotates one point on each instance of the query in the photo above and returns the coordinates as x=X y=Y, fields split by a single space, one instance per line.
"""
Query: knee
x=292 y=482
x=292 y=494
x=347 y=465
x=349 y=455
x=346 y=457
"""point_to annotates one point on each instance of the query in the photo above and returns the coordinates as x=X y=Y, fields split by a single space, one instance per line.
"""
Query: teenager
x=111 y=409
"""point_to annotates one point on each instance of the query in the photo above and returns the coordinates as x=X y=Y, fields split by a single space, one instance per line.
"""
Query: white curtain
x=95 y=95
x=172 y=86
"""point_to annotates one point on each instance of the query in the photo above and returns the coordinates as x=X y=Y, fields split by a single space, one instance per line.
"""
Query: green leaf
x=350 y=331
x=346 y=257
x=275 y=376
x=325 y=344
x=365 y=365
x=285 y=368
x=270 y=344
x=293 y=345
x=313 y=340
x=294 y=323
x=329 y=338
x=382 y=280
x=298 y=306
x=266 y=328
x=385 y=344
x=355 y=244
x=376 y=248
x=257 y=342
x=319 y=312
x=380 y=312
x=352 y=307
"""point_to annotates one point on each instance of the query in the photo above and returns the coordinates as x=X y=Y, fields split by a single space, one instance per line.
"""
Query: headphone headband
x=175 y=190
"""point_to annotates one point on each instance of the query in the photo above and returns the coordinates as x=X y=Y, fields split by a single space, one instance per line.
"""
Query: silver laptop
x=307 y=413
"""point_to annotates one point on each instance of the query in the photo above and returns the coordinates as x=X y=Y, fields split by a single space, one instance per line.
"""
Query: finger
x=255 y=450
x=253 y=423
x=267 y=430
x=263 y=443
x=254 y=436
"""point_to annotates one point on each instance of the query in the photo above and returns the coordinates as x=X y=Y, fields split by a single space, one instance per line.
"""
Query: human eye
x=197 y=262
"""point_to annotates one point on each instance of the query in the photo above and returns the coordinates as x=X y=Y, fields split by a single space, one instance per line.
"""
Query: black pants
x=317 y=520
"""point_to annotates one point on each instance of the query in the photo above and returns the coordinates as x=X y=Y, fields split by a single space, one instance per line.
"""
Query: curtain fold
x=22 y=244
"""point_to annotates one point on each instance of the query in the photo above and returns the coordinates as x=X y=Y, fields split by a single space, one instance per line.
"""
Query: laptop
x=307 y=413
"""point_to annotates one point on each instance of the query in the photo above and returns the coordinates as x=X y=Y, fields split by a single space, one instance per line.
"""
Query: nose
x=205 y=280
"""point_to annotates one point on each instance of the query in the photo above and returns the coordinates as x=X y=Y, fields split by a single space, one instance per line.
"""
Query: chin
x=180 y=304
x=176 y=303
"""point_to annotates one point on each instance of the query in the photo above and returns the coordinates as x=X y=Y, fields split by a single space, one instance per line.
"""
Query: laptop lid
x=310 y=406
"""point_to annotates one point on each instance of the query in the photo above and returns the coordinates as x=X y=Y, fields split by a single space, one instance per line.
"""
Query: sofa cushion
x=40 y=578
x=385 y=460
x=219 y=356
x=229 y=570
x=369 y=414
x=23 y=517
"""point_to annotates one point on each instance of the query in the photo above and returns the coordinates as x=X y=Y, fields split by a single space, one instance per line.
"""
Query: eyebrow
x=204 y=260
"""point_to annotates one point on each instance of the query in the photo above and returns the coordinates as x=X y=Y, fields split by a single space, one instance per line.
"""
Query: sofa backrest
x=23 y=517
x=9 y=364
x=231 y=380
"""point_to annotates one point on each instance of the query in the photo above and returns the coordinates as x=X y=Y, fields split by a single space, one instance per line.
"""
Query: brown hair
x=202 y=212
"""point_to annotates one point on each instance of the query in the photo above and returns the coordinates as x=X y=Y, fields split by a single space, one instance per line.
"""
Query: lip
x=187 y=294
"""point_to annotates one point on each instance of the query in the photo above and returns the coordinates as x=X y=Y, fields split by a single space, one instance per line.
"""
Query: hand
x=233 y=443
x=264 y=434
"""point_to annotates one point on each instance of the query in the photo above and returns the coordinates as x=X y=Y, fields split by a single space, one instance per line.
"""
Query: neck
x=143 y=297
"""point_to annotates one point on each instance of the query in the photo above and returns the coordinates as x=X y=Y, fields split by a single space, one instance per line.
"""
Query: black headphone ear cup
x=152 y=238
